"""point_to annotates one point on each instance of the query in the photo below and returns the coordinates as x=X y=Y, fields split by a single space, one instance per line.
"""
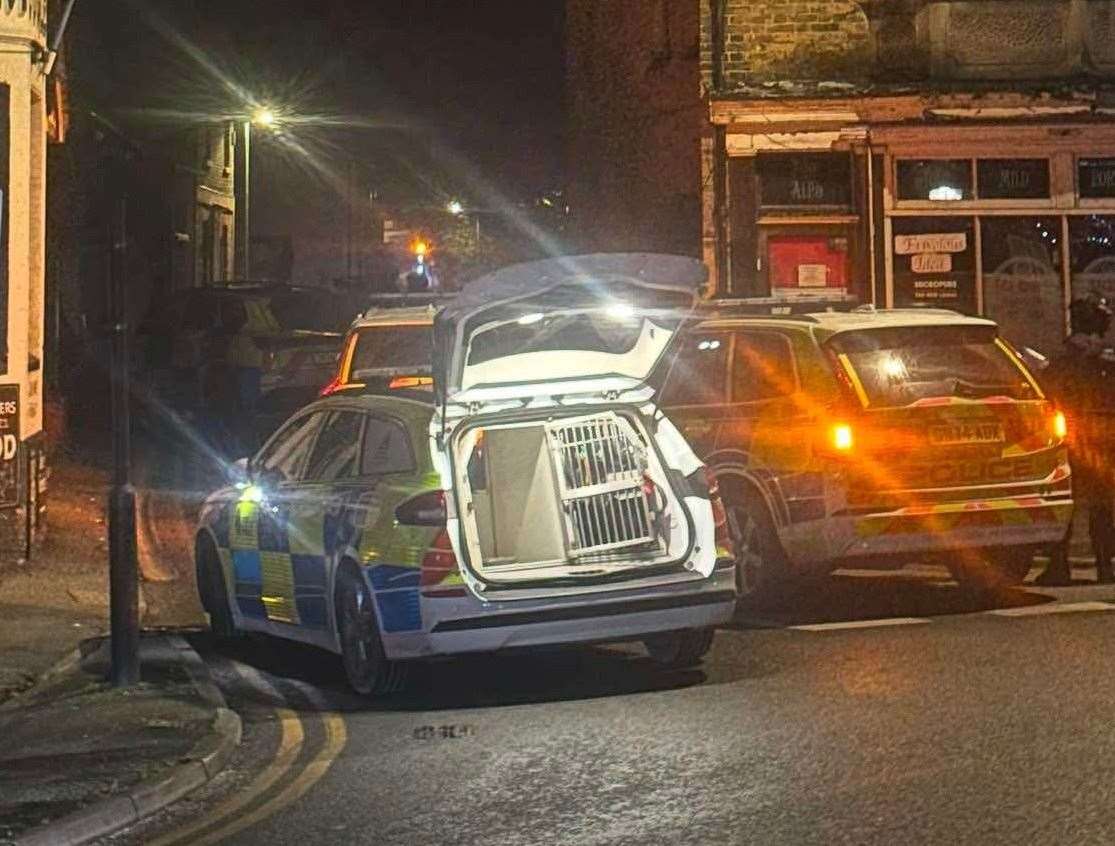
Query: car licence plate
x=966 y=433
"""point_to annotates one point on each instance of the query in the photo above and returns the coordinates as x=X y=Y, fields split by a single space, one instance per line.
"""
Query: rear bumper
x=465 y=624
x=1008 y=521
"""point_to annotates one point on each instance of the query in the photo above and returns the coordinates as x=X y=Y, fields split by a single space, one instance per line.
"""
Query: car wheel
x=761 y=566
x=213 y=593
x=366 y=665
x=677 y=650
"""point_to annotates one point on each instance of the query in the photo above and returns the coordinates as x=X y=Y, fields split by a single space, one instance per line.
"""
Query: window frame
x=363 y=425
x=975 y=203
x=784 y=338
x=664 y=399
x=390 y=420
x=254 y=463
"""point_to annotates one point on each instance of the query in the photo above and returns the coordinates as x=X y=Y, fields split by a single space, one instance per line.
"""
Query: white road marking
x=860 y=624
x=1052 y=608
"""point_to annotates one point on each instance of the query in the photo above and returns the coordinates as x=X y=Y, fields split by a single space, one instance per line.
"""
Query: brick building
x=635 y=121
x=913 y=152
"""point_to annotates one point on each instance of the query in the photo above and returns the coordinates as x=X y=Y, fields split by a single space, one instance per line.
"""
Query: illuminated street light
x=266 y=117
x=455 y=207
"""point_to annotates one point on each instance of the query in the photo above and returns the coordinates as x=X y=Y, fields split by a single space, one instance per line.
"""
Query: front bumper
x=466 y=624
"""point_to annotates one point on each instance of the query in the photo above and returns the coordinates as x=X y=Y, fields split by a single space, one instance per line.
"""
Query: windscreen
x=899 y=366
x=407 y=348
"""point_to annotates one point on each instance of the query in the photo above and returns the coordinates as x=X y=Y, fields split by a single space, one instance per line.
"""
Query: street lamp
x=266 y=117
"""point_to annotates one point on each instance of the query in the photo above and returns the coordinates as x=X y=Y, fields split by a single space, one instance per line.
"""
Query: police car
x=539 y=497
x=855 y=436
x=389 y=347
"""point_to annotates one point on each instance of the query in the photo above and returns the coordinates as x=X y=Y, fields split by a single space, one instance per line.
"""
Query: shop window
x=1012 y=179
x=942 y=180
x=1096 y=178
x=934 y=263
x=804 y=179
x=1092 y=256
x=1022 y=291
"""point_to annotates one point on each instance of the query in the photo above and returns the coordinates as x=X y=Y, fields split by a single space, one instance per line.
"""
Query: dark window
x=387 y=449
x=284 y=457
x=699 y=376
x=1012 y=179
x=763 y=367
x=805 y=179
x=1092 y=257
x=334 y=455
x=934 y=179
x=1096 y=177
x=393 y=347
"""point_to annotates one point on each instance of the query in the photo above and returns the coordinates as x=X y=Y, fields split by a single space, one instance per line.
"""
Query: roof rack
x=776 y=306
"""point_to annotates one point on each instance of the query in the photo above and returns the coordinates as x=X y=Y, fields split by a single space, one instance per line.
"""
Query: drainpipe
x=52 y=53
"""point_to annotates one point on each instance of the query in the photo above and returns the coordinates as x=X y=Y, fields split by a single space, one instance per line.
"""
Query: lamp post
x=260 y=117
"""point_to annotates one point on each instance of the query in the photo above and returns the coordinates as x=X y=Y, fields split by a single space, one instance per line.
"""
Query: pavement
x=82 y=759
x=71 y=744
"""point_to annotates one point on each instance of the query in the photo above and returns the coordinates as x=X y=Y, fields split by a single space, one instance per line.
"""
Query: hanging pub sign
x=1012 y=179
x=9 y=446
x=1096 y=178
x=934 y=263
x=804 y=179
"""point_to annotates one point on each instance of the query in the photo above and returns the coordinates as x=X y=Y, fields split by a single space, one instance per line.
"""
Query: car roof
x=832 y=322
x=402 y=316
x=409 y=405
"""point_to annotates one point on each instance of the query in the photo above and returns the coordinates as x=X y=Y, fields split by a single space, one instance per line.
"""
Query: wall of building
x=635 y=118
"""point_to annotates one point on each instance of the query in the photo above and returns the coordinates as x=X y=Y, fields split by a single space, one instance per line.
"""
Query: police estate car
x=873 y=437
x=539 y=497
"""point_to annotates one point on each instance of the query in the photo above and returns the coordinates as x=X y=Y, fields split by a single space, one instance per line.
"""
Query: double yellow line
x=223 y=821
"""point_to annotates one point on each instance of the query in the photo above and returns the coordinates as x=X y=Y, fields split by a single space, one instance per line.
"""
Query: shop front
x=905 y=206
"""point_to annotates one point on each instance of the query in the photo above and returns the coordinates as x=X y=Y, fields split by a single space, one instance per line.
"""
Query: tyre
x=366 y=665
x=762 y=569
x=991 y=569
x=213 y=592
x=677 y=650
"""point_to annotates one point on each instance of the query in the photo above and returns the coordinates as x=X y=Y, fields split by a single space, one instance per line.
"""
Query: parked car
x=386 y=347
x=871 y=438
x=538 y=497
x=240 y=350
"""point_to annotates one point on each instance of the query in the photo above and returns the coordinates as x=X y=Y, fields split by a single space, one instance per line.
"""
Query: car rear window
x=407 y=348
x=699 y=373
x=898 y=366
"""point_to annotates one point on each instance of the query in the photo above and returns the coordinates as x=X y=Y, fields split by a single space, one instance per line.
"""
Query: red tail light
x=439 y=561
x=331 y=388
x=426 y=509
x=725 y=545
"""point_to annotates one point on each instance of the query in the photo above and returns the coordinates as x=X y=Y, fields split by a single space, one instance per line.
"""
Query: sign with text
x=1096 y=177
x=9 y=446
x=934 y=267
x=931 y=242
x=804 y=179
x=931 y=263
x=1012 y=179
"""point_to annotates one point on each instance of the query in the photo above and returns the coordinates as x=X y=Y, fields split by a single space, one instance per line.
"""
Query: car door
x=257 y=522
x=320 y=519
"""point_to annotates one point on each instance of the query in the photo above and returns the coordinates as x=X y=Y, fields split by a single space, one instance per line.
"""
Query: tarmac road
x=879 y=708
